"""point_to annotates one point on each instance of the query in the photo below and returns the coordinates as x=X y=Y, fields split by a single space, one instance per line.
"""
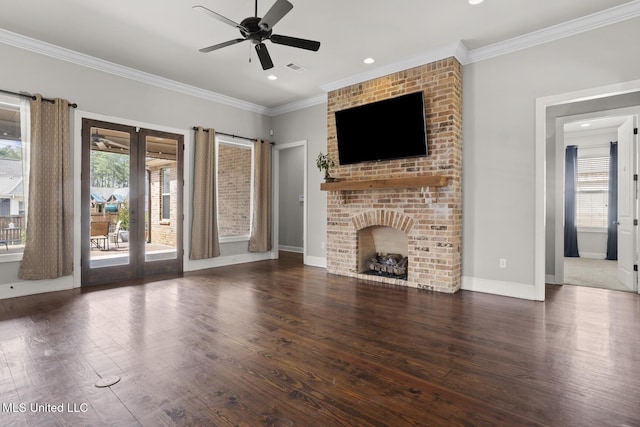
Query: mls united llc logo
x=45 y=407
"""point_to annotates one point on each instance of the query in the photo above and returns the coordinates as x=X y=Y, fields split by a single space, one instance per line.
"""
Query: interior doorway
x=290 y=188
x=547 y=264
x=599 y=191
x=131 y=195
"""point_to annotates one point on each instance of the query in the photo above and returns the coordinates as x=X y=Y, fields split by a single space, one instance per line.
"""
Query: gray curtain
x=570 y=183
x=260 y=240
x=48 y=251
x=204 y=226
x=612 y=228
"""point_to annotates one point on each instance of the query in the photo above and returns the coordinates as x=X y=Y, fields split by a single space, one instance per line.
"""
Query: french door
x=132 y=182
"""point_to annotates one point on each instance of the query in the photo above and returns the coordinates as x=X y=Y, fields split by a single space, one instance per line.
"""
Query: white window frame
x=164 y=220
x=241 y=144
x=16 y=102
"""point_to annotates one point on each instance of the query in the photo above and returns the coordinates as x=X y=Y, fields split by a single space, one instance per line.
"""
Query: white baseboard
x=496 y=287
x=551 y=279
x=291 y=249
x=315 y=261
x=592 y=255
x=221 y=261
x=32 y=287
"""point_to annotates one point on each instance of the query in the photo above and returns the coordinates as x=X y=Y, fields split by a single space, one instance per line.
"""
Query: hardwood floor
x=278 y=344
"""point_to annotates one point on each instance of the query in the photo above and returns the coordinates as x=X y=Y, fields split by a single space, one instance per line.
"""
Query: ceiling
x=162 y=37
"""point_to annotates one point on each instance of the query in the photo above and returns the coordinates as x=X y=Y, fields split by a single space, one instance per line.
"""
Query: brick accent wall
x=163 y=232
x=431 y=217
x=234 y=190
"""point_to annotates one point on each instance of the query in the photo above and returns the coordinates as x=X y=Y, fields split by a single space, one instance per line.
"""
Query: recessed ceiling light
x=272 y=77
x=475 y=1
x=369 y=60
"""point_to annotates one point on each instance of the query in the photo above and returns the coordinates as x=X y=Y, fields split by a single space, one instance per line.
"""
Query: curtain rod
x=232 y=136
x=28 y=95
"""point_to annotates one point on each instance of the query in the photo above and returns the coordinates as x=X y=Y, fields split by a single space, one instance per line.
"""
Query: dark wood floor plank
x=277 y=344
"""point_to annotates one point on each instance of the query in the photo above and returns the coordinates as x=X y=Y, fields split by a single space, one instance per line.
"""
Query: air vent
x=296 y=67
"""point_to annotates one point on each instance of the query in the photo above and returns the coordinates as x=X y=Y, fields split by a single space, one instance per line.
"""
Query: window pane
x=166 y=194
x=12 y=191
x=234 y=190
x=166 y=207
x=592 y=193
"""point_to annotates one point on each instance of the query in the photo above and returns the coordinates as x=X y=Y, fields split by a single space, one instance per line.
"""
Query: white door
x=626 y=204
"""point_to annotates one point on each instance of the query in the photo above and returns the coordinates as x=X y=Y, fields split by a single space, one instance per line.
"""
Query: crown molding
x=455 y=49
x=556 y=32
x=77 y=58
x=297 y=105
x=458 y=50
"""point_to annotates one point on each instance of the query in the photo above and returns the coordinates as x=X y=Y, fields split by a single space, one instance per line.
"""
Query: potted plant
x=324 y=163
x=123 y=216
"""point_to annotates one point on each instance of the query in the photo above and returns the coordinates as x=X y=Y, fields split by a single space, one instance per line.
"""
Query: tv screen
x=390 y=129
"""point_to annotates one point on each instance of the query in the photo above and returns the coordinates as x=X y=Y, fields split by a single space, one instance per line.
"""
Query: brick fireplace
x=424 y=220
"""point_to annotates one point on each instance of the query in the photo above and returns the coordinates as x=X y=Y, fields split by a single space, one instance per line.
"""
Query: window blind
x=592 y=192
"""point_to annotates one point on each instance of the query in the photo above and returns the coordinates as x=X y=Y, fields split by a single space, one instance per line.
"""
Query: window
x=12 y=188
x=234 y=189
x=166 y=194
x=592 y=192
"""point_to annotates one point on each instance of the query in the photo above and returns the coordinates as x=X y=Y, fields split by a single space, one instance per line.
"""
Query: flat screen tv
x=390 y=129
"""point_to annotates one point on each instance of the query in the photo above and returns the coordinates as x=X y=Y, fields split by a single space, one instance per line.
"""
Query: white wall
x=499 y=97
x=99 y=93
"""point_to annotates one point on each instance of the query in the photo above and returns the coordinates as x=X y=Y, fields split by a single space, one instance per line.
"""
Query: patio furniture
x=100 y=234
x=114 y=235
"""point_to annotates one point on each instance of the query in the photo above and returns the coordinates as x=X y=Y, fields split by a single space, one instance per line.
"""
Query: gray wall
x=309 y=124
x=498 y=151
x=106 y=94
x=291 y=209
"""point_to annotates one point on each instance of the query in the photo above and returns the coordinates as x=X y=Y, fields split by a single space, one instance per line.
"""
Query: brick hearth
x=431 y=217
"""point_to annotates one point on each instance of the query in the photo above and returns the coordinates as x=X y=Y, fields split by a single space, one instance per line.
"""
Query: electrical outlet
x=324 y=245
x=503 y=263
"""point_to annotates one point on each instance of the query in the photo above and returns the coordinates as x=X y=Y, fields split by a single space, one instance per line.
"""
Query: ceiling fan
x=260 y=29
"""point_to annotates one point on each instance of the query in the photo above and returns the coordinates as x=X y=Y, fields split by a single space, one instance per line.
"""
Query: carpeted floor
x=595 y=273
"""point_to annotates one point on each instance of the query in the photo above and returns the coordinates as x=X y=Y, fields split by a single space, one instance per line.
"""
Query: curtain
x=612 y=228
x=570 y=183
x=204 y=226
x=48 y=251
x=260 y=240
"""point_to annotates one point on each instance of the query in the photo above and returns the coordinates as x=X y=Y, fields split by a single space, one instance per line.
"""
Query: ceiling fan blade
x=295 y=42
x=263 y=54
x=219 y=17
x=276 y=13
x=221 y=45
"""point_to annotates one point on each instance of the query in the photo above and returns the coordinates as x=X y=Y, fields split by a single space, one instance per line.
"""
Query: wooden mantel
x=370 y=184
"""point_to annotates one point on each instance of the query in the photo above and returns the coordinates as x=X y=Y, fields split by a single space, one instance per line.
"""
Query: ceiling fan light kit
x=257 y=30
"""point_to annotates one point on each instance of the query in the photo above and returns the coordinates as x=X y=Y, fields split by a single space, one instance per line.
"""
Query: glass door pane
x=162 y=202
x=161 y=198
x=110 y=181
x=109 y=191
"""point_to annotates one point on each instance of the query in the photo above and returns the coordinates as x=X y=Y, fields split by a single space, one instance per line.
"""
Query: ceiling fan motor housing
x=254 y=32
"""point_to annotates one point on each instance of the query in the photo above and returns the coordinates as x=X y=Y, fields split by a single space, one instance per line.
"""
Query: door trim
x=276 y=195
x=540 y=154
x=77 y=170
